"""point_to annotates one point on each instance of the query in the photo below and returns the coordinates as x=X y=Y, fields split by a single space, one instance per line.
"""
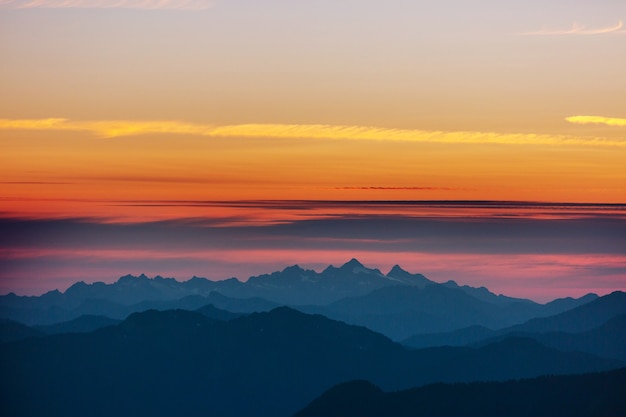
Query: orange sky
x=124 y=111
x=76 y=166
x=221 y=100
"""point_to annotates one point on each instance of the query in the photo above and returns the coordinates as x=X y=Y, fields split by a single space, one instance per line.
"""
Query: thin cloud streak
x=462 y=231
x=392 y=188
x=108 y=128
x=271 y=212
x=578 y=29
x=120 y=128
x=609 y=121
x=108 y=4
x=35 y=183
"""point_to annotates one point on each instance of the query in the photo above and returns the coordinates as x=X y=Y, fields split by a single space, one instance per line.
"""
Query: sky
x=480 y=141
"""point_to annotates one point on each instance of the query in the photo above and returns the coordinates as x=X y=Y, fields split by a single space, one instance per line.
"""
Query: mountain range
x=398 y=304
x=598 y=327
x=271 y=345
x=181 y=362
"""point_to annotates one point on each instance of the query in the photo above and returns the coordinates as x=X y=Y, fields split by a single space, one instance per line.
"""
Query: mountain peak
x=397 y=272
x=128 y=278
x=125 y=278
x=293 y=268
x=352 y=263
x=402 y=276
x=285 y=311
x=76 y=288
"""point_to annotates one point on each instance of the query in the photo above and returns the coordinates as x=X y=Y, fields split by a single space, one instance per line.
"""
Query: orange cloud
x=578 y=29
x=390 y=188
x=117 y=128
x=108 y=128
x=108 y=4
x=609 y=121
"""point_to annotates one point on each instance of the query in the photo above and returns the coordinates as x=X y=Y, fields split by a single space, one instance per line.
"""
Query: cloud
x=108 y=4
x=119 y=128
x=578 y=29
x=609 y=121
x=439 y=227
x=108 y=128
x=470 y=246
x=34 y=183
x=392 y=188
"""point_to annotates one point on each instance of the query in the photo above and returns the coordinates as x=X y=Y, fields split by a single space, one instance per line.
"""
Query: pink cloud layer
x=541 y=277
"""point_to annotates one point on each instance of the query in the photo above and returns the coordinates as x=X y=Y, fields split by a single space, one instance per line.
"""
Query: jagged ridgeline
x=398 y=304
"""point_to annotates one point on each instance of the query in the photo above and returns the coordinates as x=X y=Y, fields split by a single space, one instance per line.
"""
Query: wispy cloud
x=118 y=128
x=609 y=121
x=391 y=188
x=35 y=183
x=108 y=128
x=578 y=29
x=108 y=4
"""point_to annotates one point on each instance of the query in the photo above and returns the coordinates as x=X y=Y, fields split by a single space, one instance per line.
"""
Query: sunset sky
x=481 y=141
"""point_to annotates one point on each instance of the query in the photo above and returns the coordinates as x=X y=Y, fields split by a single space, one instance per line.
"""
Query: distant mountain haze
x=398 y=304
x=587 y=317
x=177 y=362
x=160 y=347
x=402 y=311
x=607 y=340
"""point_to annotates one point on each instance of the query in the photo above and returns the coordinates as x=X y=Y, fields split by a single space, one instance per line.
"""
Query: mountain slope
x=183 y=363
x=399 y=311
x=402 y=311
x=11 y=331
x=82 y=324
x=212 y=312
x=579 y=319
x=461 y=337
x=607 y=341
x=598 y=395
x=583 y=318
x=42 y=312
